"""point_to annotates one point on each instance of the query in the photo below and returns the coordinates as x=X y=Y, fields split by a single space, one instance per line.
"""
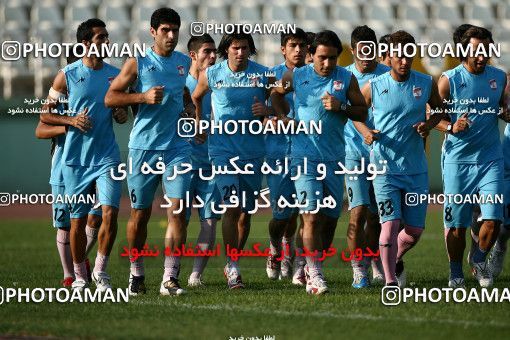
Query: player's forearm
x=442 y=125
x=357 y=113
x=435 y=119
x=278 y=104
x=54 y=119
x=116 y=98
x=361 y=127
x=45 y=131
x=197 y=101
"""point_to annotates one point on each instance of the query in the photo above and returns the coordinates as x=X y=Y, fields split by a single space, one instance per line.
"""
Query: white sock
x=64 y=250
x=275 y=246
x=101 y=262
x=80 y=270
x=172 y=267
x=137 y=267
x=314 y=265
x=205 y=241
x=289 y=241
x=91 y=238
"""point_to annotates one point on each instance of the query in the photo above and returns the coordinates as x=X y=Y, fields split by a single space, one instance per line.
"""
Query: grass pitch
x=265 y=308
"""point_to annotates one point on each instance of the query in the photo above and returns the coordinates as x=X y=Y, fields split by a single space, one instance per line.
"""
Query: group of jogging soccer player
x=373 y=113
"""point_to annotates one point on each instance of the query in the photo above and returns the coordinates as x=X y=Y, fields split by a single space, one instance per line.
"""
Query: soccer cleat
x=171 y=287
x=495 y=262
x=195 y=280
x=67 y=282
x=316 y=285
x=299 y=278
x=136 y=285
x=456 y=283
x=102 y=281
x=80 y=285
x=482 y=273
x=286 y=268
x=89 y=272
x=234 y=280
x=360 y=280
x=306 y=270
x=401 y=274
x=273 y=267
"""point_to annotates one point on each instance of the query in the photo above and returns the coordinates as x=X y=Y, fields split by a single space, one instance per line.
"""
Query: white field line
x=330 y=315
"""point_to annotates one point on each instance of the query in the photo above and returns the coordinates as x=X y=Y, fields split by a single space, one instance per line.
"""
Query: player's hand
x=189 y=111
x=82 y=121
x=461 y=124
x=258 y=108
x=422 y=129
x=330 y=102
x=370 y=136
x=154 y=95
x=120 y=115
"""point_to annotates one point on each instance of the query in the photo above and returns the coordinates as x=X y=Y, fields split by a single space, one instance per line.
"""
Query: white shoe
x=102 y=281
x=171 y=287
x=316 y=285
x=456 y=283
x=273 y=267
x=286 y=268
x=234 y=280
x=360 y=279
x=195 y=280
x=495 y=262
x=299 y=278
x=482 y=273
x=80 y=285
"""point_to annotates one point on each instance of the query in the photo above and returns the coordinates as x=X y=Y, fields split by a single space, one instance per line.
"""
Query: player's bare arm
x=117 y=95
x=503 y=105
x=59 y=91
x=196 y=99
x=444 y=92
x=368 y=134
x=462 y=122
x=259 y=108
x=357 y=109
x=436 y=105
x=279 y=105
x=45 y=131
x=189 y=107
x=199 y=93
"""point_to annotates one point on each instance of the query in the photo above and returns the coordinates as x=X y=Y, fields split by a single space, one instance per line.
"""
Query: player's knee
x=311 y=223
x=232 y=214
x=414 y=233
x=492 y=225
x=140 y=215
x=358 y=216
x=94 y=221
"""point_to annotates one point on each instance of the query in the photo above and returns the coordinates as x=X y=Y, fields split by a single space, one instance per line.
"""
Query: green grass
x=29 y=259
